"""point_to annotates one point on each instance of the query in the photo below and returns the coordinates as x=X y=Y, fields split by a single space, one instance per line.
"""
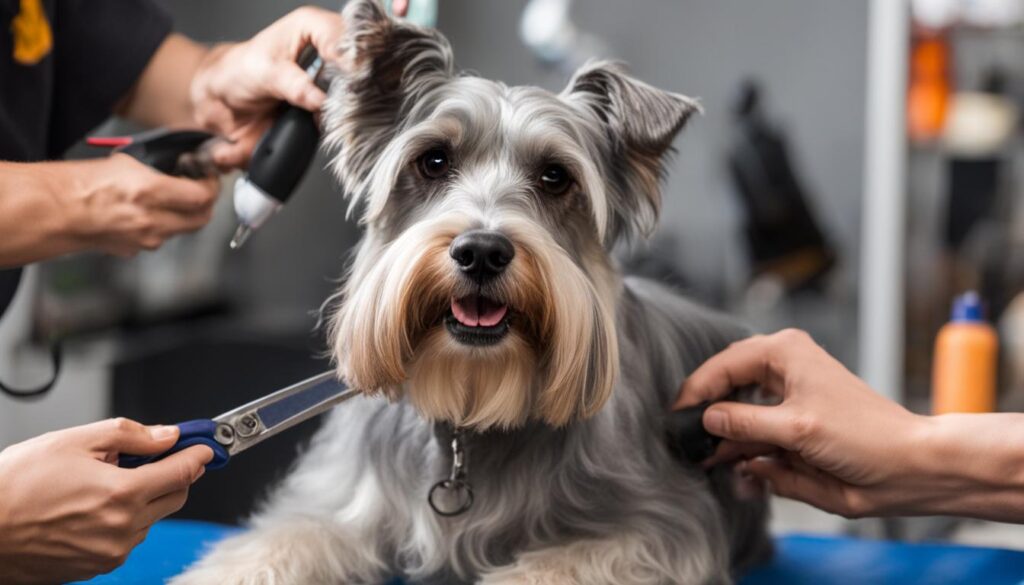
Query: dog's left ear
x=386 y=67
x=640 y=122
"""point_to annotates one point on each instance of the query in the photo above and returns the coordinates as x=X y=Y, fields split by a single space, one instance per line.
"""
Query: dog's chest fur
x=374 y=462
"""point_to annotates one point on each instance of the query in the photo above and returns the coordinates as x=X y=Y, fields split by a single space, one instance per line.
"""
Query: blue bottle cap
x=968 y=308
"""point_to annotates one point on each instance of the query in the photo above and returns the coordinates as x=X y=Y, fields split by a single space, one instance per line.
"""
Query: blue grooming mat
x=174 y=544
x=806 y=560
x=170 y=546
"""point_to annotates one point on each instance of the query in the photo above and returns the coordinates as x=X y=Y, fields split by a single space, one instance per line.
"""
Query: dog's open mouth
x=477 y=320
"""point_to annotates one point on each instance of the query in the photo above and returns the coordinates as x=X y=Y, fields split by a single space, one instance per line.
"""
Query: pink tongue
x=475 y=311
x=491 y=313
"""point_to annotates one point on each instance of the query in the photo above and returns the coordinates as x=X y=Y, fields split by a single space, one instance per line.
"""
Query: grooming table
x=799 y=560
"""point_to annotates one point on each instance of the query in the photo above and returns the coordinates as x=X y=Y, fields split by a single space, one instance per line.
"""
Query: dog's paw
x=247 y=559
x=204 y=577
x=297 y=551
x=207 y=575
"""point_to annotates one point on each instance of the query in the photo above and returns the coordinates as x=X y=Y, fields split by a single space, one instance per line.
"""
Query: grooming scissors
x=250 y=424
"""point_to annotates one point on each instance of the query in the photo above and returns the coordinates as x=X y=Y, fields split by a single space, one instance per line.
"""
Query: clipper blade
x=241 y=235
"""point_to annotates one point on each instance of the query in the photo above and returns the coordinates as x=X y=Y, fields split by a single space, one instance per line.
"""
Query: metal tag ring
x=454 y=486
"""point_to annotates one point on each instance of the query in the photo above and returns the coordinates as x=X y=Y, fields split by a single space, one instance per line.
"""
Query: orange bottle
x=929 y=90
x=966 y=354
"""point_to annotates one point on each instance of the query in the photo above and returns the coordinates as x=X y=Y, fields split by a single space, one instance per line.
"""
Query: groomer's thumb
x=292 y=84
x=121 y=435
x=750 y=423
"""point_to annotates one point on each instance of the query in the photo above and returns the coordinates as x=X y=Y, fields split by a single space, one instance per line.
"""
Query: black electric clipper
x=687 y=437
x=279 y=161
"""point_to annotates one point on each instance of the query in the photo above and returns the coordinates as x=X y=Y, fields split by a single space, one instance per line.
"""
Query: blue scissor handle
x=193 y=432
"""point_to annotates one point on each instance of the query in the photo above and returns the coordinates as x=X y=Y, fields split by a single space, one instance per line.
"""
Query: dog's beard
x=558 y=361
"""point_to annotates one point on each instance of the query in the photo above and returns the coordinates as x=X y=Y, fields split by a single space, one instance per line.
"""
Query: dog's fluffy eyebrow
x=441 y=131
x=555 y=147
x=448 y=115
x=551 y=137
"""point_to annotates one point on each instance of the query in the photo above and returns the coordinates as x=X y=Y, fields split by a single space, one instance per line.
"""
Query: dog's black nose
x=482 y=254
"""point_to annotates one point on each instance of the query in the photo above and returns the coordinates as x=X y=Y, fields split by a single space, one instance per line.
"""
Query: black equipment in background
x=783 y=237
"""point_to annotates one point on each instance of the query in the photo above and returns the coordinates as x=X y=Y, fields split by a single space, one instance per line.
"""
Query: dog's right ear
x=385 y=66
x=640 y=121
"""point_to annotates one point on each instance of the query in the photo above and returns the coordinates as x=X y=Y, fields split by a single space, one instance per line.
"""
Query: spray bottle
x=964 y=368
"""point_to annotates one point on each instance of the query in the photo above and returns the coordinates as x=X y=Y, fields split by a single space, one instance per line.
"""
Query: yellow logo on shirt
x=33 y=38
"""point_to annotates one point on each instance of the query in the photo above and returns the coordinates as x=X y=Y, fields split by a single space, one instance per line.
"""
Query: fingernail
x=161 y=432
x=199 y=474
x=714 y=421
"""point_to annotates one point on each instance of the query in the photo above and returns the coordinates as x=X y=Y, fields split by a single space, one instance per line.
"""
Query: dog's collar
x=454 y=495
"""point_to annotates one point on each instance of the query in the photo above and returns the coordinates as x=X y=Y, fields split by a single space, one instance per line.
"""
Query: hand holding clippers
x=279 y=161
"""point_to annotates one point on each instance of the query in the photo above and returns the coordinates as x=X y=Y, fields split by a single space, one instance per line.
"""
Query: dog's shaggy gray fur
x=564 y=417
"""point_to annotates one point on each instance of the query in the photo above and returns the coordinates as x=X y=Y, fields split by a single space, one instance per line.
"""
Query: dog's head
x=483 y=286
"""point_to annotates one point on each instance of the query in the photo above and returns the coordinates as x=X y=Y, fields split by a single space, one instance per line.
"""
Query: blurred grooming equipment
x=978 y=131
x=784 y=238
x=421 y=12
x=546 y=28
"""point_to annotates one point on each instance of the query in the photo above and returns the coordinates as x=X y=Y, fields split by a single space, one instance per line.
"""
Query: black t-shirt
x=64 y=65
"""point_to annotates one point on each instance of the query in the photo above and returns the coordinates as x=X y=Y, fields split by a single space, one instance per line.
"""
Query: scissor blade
x=301 y=402
x=277 y=412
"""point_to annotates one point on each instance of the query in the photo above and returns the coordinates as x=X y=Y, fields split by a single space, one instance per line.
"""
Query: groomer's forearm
x=34 y=221
x=980 y=460
x=162 y=95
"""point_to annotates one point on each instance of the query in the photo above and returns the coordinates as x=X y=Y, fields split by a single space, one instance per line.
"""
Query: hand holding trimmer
x=279 y=161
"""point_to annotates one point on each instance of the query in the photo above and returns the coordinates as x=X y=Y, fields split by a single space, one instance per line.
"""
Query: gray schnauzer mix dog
x=505 y=360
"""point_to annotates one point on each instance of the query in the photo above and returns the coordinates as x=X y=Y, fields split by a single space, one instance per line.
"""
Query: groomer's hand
x=121 y=206
x=114 y=204
x=832 y=442
x=238 y=86
x=68 y=512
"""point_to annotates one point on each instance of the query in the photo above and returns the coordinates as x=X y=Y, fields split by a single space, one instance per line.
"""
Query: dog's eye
x=555 y=180
x=434 y=163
